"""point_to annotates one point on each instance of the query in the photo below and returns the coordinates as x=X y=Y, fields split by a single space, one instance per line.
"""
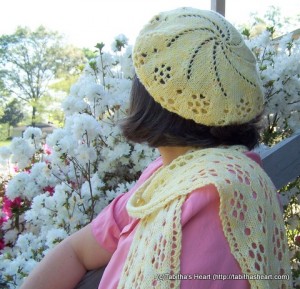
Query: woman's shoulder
x=200 y=199
x=149 y=170
x=119 y=203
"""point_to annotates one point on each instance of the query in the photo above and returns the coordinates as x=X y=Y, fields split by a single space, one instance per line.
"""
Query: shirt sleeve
x=109 y=224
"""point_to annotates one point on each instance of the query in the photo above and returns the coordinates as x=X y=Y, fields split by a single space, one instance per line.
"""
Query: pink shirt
x=205 y=253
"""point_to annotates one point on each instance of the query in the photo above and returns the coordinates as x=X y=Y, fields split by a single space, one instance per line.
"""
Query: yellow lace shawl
x=249 y=212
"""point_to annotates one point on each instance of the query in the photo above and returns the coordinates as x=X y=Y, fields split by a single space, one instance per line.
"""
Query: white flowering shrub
x=279 y=66
x=59 y=185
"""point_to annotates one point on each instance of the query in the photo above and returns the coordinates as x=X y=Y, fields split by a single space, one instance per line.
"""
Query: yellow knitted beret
x=196 y=64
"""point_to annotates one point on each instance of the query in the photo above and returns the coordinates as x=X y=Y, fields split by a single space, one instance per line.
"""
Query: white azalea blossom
x=55 y=236
x=5 y=153
x=22 y=152
x=120 y=41
x=11 y=236
x=33 y=134
x=85 y=154
x=17 y=186
x=72 y=105
x=125 y=62
x=84 y=127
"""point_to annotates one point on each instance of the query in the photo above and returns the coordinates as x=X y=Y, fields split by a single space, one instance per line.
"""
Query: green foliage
x=3 y=143
x=89 y=54
x=292 y=221
x=57 y=118
x=100 y=46
x=12 y=115
x=3 y=134
x=51 y=111
x=30 y=60
x=246 y=33
x=64 y=84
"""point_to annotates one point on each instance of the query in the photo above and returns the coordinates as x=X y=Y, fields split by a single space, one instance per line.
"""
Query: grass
x=4 y=143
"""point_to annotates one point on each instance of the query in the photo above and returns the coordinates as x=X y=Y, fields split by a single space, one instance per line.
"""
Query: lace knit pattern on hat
x=249 y=212
x=196 y=64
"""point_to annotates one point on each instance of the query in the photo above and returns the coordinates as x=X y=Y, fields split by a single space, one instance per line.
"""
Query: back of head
x=196 y=83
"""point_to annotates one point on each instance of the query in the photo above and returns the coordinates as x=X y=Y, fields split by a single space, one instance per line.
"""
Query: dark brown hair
x=148 y=122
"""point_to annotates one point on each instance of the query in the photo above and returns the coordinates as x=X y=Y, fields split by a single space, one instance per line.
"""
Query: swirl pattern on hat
x=197 y=65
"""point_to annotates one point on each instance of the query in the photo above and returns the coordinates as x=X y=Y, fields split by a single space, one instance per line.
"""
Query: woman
x=204 y=214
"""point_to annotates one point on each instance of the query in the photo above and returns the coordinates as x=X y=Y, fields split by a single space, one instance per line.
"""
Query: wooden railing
x=282 y=161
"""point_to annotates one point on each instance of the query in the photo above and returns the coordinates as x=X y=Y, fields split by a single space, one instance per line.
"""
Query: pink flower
x=17 y=202
x=49 y=189
x=297 y=240
x=2 y=244
x=3 y=220
x=47 y=149
x=7 y=207
x=28 y=171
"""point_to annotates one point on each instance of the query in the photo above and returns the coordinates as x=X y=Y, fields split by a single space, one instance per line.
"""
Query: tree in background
x=3 y=94
x=12 y=115
x=30 y=60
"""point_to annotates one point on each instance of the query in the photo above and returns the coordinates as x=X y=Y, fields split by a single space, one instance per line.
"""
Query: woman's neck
x=169 y=153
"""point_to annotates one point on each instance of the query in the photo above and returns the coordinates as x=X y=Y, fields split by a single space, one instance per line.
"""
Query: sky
x=87 y=22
